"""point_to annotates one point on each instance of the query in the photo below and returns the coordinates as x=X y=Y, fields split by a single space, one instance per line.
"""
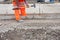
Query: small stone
x=27 y=39
x=0 y=24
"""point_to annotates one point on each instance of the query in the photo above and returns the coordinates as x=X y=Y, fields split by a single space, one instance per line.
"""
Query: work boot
x=20 y=20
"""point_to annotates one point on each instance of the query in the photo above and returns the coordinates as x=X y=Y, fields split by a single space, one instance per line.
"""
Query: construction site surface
x=41 y=23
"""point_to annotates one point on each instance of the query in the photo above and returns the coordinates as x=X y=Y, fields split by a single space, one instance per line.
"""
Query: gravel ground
x=30 y=30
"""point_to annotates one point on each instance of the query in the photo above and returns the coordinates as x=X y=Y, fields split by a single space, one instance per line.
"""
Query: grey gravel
x=30 y=30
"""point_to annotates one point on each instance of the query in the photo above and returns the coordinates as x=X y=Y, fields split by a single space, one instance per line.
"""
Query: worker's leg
x=16 y=11
x=23 y=12
x=17 y=14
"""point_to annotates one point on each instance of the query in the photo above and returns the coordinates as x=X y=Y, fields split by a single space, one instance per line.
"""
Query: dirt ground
x=30 y=30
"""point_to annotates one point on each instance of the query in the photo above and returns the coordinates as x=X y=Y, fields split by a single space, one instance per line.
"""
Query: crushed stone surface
x=30 y=30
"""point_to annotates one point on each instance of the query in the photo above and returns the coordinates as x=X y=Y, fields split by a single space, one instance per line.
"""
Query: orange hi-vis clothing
x=21 y=9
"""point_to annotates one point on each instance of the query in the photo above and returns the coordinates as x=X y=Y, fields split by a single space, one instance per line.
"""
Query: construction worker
x=19 y=9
